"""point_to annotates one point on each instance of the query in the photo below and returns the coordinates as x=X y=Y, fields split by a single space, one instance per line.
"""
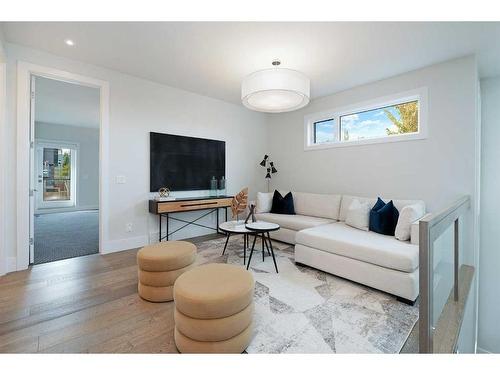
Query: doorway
x=65 y=118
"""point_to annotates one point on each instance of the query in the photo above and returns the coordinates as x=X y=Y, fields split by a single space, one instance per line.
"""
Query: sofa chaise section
x=381 y=262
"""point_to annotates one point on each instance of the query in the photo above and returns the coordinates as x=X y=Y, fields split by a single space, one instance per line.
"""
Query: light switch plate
x=120 y=179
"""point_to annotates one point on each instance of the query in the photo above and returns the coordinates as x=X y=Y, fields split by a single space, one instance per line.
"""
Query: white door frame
x=24 y=72
x=3 y=143
x=41 y=206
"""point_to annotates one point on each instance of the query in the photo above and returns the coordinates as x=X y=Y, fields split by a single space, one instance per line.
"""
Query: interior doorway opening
x=64 y=170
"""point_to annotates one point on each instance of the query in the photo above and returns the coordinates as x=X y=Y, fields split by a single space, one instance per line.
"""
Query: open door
x=32 y=170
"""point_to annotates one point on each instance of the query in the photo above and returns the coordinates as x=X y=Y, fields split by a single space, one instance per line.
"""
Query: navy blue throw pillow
x=282 y=205
x=383 y=218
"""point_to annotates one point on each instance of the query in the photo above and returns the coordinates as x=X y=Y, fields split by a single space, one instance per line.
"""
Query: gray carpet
x=66 y=235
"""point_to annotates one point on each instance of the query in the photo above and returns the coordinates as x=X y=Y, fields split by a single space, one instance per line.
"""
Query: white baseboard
x=113 y=246
x=11 y=264
x=482 y=351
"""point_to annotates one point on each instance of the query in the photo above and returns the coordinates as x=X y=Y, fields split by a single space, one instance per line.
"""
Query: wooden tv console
x=164 y=209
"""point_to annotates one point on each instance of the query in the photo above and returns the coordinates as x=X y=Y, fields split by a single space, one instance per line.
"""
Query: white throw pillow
x=358 y=215
x=407 y=216
x=264 y=202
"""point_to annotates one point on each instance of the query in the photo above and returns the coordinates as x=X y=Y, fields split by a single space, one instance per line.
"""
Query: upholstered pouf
x=160 y=265
x=213 y=309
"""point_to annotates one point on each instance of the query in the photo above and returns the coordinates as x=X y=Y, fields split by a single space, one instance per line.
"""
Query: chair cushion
x=318 y=205
x=214 y=329
x=156 y=293
x=293 y=222
x=161 y=278
x=213 y=291
x=339 y=238
x=166 y=256
x=236 y=344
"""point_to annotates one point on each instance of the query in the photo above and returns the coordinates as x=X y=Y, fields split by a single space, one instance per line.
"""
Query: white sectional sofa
x=322 y=240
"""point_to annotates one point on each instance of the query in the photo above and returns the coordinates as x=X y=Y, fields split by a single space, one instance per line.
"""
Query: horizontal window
x=379 y=121
x=324 y=131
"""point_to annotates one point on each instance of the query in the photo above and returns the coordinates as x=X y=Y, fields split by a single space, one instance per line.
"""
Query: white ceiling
x=212 y=58
x=65 y=103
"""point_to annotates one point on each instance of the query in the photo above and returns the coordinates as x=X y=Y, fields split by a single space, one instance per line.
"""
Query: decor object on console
x=214 y=309
x=213 y=187
x=164 y=195
x=239 y=203
x=271 y=169
x=275 y=90
x=222 y=187
x=159 y=265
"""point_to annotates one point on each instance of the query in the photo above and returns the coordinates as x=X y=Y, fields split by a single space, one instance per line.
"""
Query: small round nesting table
x=262 y=228
x=236 y=227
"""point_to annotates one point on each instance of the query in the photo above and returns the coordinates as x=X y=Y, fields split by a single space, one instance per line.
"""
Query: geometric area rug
x=304 y=310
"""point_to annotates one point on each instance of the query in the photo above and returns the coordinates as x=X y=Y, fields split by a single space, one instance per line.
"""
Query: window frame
x=419 y=94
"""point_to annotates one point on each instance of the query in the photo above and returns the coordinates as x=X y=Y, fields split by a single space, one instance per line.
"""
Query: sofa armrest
x=415 y=233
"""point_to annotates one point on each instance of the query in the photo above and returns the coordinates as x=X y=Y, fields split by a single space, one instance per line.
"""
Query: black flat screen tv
x=184 y=163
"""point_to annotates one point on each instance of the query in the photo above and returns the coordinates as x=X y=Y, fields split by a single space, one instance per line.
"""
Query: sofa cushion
x=408 y=215
x=383 y=218
x=264 y=202
x=358 y=215
x=318 y=205
x=339 y=238
x=293 y=222
x=398 y=203
x=283 y=204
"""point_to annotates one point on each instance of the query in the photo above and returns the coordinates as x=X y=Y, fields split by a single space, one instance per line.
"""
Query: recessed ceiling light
x=69 y=42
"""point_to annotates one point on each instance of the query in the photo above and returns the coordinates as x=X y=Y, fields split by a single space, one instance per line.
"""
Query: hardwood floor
x=83 y=305
x=87 y=305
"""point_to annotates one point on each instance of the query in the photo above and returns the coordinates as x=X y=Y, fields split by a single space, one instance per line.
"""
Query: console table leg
x=159 y=231
x=217 y=223
x=167 y=227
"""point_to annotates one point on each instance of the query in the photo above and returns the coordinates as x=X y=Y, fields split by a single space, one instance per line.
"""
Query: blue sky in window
x=369 y=124
x=325 y=131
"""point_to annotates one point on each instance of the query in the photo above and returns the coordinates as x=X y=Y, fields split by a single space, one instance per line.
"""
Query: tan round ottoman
x=159 y=265
x=213 y=309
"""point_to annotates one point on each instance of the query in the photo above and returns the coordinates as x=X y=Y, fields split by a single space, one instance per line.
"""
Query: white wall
x=137 y=107
x=87 y=192
x=489 y=280
x=437 y=170
x=3 y=252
